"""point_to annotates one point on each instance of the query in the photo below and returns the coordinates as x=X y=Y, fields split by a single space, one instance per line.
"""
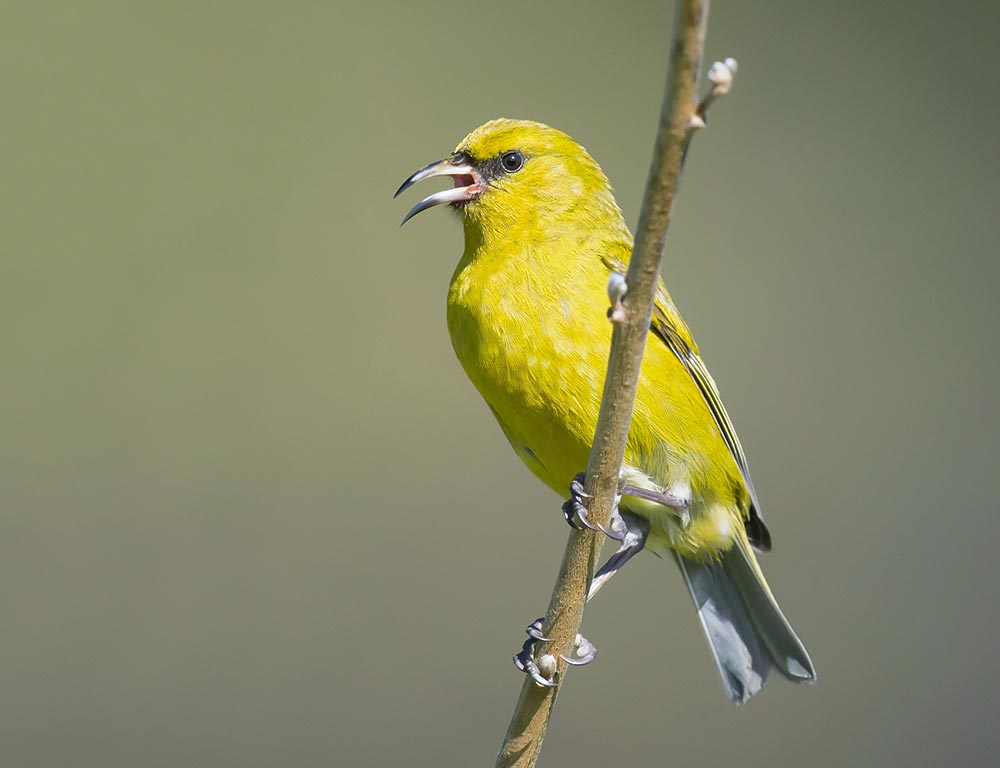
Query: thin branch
x=680 y=115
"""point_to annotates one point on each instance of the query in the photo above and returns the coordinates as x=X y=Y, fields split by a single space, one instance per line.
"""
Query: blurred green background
x=252 y=513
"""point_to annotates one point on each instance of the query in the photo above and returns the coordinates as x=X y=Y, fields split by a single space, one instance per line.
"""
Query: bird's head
x=515 y=173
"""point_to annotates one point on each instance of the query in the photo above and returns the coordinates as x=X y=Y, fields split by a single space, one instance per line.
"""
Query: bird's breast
x=524 y=324
x=532 y=337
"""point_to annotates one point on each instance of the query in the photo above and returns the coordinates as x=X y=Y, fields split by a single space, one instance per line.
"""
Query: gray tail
x=748 y=634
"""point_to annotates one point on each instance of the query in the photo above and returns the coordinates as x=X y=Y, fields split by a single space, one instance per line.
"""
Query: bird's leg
x=576 y=514
x=676 y=503
x=584 y=651
x=657 y=497
x=542 y=669
x=633 y=543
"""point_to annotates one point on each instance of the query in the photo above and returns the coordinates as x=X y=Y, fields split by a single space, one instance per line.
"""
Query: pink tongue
x=463 y=180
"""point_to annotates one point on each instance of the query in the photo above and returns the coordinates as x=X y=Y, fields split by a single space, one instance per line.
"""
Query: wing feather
x=674 y=337
x=668 y=325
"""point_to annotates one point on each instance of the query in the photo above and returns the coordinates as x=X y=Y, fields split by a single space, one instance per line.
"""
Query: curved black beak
x=468 y=184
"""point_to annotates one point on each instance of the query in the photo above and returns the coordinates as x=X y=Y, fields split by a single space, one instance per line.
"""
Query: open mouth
x=468 y=185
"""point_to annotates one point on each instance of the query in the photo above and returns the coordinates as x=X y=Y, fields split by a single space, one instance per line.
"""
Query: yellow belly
x=537 y=350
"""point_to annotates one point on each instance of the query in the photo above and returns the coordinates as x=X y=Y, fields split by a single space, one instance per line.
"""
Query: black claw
x=577 y=515
x=570 y=513
x=577 y=486
x=583 y=652
x=525 y=661
x=574 y=510
x=534 y=630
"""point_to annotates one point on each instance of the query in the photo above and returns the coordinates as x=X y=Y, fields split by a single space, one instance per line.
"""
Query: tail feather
x=746 y=631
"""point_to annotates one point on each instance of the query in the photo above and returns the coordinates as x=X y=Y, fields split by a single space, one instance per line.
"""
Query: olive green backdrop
x=252 y=513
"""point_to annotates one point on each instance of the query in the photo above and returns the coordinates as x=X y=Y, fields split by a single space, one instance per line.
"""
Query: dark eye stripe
x=494 y=167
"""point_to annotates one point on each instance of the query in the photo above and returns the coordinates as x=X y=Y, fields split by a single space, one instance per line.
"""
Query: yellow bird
x=526 y=313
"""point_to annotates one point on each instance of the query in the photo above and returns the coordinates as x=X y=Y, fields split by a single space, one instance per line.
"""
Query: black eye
x=512 y=162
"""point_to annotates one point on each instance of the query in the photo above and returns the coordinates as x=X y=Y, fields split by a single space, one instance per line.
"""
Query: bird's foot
x=543 y=669
x=576 y=513
x=583 y=652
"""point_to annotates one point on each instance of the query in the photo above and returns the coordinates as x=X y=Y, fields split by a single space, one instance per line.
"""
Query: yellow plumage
x=526 y=313
x=526 y=316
